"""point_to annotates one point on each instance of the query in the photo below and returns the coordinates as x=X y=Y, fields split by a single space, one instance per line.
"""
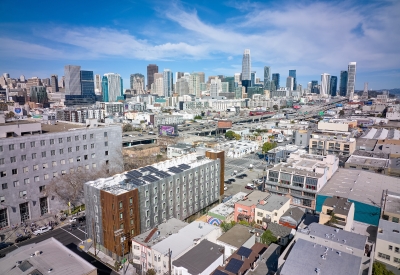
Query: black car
x=82 y=219
x=5 y=245
x=2 y=255
x=22 y=238
x=73 y=226
x=231 y=180
x=239 y=177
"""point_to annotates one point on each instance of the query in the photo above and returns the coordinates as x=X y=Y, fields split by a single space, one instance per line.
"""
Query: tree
x=198 y=117
x=333 y=220
x=341 y=113
x=127 y=128
x=276 y=107
x=268 y=146
x=151 y=272
x=380 y=269
x=10 y=115
x=267 y=237
x=226 y=226
x=230 y=135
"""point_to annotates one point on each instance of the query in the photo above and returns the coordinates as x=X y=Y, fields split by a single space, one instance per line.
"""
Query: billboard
x=168 y=130
x=224 y=124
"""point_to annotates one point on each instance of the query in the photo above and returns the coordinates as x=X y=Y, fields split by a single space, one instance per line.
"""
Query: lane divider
x=71 y=234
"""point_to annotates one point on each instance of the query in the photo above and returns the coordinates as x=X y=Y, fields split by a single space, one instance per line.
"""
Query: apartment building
x=387 y=248
x=301 y=177
x=342 y=125
x=271 y=209
x=141 y=199
x=324 y=143
x=32 y=154
x=377 y=165
x=391 y=206
x=245 y=208
x=339 y=212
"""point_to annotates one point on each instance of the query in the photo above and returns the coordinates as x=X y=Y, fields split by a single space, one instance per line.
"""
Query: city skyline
x=197 y=38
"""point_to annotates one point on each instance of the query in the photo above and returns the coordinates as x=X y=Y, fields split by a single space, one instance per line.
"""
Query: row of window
x=23 y=193
x=396 y=249
x=387 y=257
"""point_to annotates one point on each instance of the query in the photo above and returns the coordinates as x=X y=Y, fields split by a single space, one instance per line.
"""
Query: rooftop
x=336 y=235
x=161 y=232
x=341 y=205
x=381 y=134
x=371 y=154
x=388 y=146
x=184 y=238
x=389 y=231
x=200 y=257
x=392 y=203
x=272 y=202
x=47 y=254
x=319 y=258
x=279 y=230
x=228 y=207
x=236 y=236
x=360 y=186
x=268 y=262
x=364 y=142
x=289 y=168
x=253 y=198
x=295 y=213
x=368 y=161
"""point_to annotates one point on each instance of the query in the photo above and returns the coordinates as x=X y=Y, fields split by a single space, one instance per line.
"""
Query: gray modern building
x=246 y=69
x=267 y=78
x=351 y=79
x=72 y=80
x=32 y=154
x=54 y=83
x=343 y=83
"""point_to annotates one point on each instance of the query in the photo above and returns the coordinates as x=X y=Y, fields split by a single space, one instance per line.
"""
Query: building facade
x=112 y=87
x=351 y=79
x=343 y=83
x=151 y=70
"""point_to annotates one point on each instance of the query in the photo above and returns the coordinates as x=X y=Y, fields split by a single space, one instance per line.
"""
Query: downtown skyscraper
x=267 y=78
x=112 y=87
x=343 y=83
x=79 y=86
x=151 y=70
x=351 y=79
x=333 y=86
x=168 y=82
x=246 y=69
x=325 y=84
x=275 y=82
x=292 y=73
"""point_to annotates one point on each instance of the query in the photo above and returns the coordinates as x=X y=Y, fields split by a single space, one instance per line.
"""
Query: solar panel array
x=234 y=265
x=175 y=170
x=150 y=178
x=219 y=272
x=183 y=166
x=134 y=174
x=244 y=251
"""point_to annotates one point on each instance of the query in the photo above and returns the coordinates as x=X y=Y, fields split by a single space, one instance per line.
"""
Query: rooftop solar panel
x=244 y=251
x=134 y=173
x=219 y=272
x=234 y=265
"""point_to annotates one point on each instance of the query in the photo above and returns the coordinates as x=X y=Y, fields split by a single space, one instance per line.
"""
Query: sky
x=38 y=38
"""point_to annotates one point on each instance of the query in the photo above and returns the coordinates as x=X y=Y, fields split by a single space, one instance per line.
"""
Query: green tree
x=333 y=220
x=226 y=226
x=10 y=114
x=127 y=127
x=276 y=107
x=151 y=272
x=230 y=135
x=198 y=117
x=267 y=237
x=341 y=113
x=268 y=146
x=244 y=223
x=380 y=269
x=237 y=136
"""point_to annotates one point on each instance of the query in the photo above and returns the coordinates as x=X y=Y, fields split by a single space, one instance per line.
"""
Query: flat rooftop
x=161 y=232
x=368 y=161
x=289 y=168
x=341 y=205
x=253 y=198
x=359 y=185
x=53 y=255
x=228 y=207
x=61 y=127
x=371 y=154
x=392 y=203
x=389 y=231
x=306 y=258
x=236 y=236
x=273 y=202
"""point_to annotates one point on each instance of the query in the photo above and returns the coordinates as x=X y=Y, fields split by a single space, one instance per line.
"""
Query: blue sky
x=37 y=38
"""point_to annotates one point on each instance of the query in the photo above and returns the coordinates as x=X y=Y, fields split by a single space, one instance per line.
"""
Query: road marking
x=71 y=234
x=81 y=230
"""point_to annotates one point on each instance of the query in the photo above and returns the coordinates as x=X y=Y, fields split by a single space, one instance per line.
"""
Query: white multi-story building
x=112 y=87
x=325 y=84
x=351 y=79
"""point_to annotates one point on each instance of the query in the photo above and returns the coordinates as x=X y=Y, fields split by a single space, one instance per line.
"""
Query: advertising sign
x=168 y=130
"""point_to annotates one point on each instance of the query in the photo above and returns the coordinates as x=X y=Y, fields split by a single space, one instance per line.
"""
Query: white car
x=225 y=187
x=73 y=219
x=42 y=230
x=260 y=181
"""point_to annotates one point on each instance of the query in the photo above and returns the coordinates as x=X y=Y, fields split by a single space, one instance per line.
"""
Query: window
x=85 y=157
x=87 y=166
x=384 y=256
x=121 y=216
x=84 y=137
x=3 y=174
x=397 y=250
x=105 y=134
x=395 y=219
x=1 y=148
x=396 y=260
x=26 y=181
x=121 y=226
x=92 y=146
x=71 y=160
x=11 y=147
x=120 y=205
x=36 y=179
x=61 y=151
x=60 y=140
x=45 y=165
x=54 y=163
x=25 y=169
x=130 y=201
x=33 y=144
x=42 y=143
x=15 y=183
x=91 y=135
x=4 y=186
x=69 y=149
x=1 y=161
x=13 y=159
x=53 y=152
x=2 y=199
x=22 y=194
x=46 y=176
x=106 y=143
x=106 y=153
x=22 y=146
x=62 y=161
x=42 y=188
x=68 y=139
x=131 y=211
x=63 y=172
x=14 y=171
x=93 y=155
x=23 y=157
x=78 y=159
x=76 y=138
x=33 y=155
x=35 y=167
x=84 y=147
x=52 y=141
x=77 y=148
x=55 y=174
x=390 y=247
x=43 y=154
x=94 y=165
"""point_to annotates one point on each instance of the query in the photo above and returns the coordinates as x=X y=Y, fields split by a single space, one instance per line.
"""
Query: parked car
x=260 y=181
x=72 y=219
x=5 y=245
x=42 y=230
x=227 y=182
x=239 y=177
x=22 y=238
x=232 y=180
x=249 y=187
x=72 y=226
x=82 y=219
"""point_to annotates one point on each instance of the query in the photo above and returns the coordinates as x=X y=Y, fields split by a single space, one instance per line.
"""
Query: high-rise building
x=158 y=85
x=215 y=87
x=6 y=75
x=343 y=83
x=238 y=78
x=231 y=83
x=151 y=70
x=290 y=83
x=87 y=84
x=267 y=78
x=22 y=78
x=275 y=80
x=72 y=80
x=137 y=83
x=97 y=84
x=194 y=84
x=179 y=75
x=182 y=86
x=46 y=82
x=364 y=95
x=61 y=82
x=351 y=79
x=314 y=87
x=202 y=77
x=38 y=94
x=253 y=78
x=54 y=83
x=325 y=84
x=168 y=78
x=333 y=86
x=112 y=87
x=292 y=73
x=246 y=69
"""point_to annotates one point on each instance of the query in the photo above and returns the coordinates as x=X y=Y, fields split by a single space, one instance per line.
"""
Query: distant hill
x=392 y=92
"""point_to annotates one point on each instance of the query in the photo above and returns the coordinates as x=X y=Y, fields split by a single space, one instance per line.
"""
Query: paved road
x=70 y=239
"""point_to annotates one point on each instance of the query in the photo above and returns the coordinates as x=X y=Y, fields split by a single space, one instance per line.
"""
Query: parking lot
x=241 y=165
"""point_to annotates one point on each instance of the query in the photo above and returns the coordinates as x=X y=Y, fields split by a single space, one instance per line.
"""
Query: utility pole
x=169 y=261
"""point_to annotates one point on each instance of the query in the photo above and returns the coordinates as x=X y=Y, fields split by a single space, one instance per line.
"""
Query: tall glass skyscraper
x=314 y=87
x=325 y=84
x=72 y=80
x=87 y=84
x=253 y=79
x=54 y=83
x=333 y=87
x=292 y=73
x=112 y=87
x=343 y=83
x=79 y=86
x=351 y=80
x=275 y=80
x=246 y=69
x=151 y=70
x=168 y=78
x=267 y=78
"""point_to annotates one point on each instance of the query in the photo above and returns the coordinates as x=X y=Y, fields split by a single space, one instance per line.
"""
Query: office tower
x=194 y=84
x=292 y=73
x=158 y=85
x=6 y=75
x=300 y=89
x=97 y=84
x=202 y=77
x=87 y=85
x=309 y=87
x=22 y=78
x=253 y=78
x=179 y=75
x=72 y=80
x=38 y=94
x=267 y=78
x=246 y=69
x=289 y=83
x=275 y=80
x=225 y=87
x=351 y=79
x=137 y=83
x=325 y=84
x=46 y=82
x=151 y=70
x=231 y=83
x=215 y=87
x=182 y=86
x=54 y=83
x=238 y=78
x=61 y=82
x=343 y=83
x=333 y=87
x=168 y=78
x=314 y=87
x=112 y=87
x=364 y=95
